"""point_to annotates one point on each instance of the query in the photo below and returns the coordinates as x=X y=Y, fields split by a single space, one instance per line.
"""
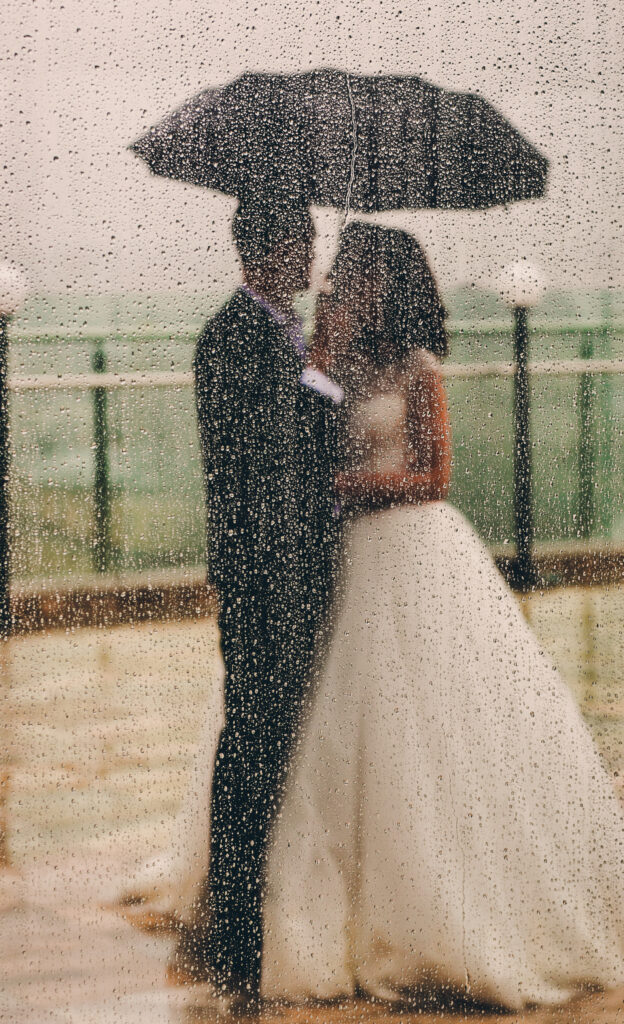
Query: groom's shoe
x=244 y=1004
x=195 y=963
x=238 y=996
x=242 y=994
x=189 y=964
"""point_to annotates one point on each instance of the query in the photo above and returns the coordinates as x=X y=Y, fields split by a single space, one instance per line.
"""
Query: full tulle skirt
x=447 y=819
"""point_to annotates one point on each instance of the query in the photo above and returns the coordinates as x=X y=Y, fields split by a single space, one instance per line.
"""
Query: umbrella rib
x=353 y=152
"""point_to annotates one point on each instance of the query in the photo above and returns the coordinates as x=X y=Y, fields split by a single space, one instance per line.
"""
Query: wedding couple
x=404 y=793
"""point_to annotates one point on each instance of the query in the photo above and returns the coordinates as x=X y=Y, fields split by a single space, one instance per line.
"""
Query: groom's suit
x=268 y=445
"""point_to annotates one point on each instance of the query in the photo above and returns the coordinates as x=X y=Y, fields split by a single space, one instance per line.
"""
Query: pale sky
x=82 y=214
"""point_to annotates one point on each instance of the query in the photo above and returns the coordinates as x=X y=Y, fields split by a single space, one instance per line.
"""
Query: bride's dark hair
x=412 y=314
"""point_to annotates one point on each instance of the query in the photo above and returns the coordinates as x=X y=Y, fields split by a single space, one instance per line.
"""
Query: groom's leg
x=267 y=652
x=221 y=943
x=267 y=660
x=235 y=924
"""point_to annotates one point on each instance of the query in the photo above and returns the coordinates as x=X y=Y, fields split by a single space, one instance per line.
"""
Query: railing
x=182 y=378
x=100 y=382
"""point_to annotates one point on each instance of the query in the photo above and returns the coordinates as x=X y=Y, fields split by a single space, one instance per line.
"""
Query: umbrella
x=362 y=143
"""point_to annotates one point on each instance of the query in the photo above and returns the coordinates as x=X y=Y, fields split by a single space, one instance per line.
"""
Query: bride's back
x=383 y=434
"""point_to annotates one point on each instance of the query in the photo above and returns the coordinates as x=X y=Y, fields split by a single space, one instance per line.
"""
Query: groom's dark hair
x=261 y=226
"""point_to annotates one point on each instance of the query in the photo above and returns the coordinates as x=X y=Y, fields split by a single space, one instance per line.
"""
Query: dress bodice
x=378 y=431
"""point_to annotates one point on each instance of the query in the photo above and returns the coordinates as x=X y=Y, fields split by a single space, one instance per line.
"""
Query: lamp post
x=102 y=489
x=12 y=295
x=522 y=286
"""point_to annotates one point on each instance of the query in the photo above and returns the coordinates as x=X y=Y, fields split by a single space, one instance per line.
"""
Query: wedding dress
x=447 y=819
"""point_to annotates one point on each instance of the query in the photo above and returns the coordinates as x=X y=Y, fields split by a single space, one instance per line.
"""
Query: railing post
x=13 y=291
x=587 y=442
x=604 y=439
x=5 y=456
x=5 y=594
x=522 y=286
x=524 y=575
x=101 y=488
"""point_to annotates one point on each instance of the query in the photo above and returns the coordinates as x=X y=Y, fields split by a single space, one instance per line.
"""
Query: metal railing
x=182 y=378
x=100 y=382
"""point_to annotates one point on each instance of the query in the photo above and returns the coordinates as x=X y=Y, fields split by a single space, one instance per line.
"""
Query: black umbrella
x=358 y=142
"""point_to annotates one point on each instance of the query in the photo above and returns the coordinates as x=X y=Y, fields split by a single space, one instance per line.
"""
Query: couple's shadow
x=415 y=1004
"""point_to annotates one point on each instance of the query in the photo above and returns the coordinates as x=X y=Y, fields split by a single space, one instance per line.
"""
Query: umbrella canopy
x=357 y=142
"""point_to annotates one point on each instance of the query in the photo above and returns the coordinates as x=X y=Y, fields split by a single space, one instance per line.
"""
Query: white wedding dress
x=447 y=819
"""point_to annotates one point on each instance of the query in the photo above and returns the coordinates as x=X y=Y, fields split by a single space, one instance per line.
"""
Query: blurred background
x=121 y=270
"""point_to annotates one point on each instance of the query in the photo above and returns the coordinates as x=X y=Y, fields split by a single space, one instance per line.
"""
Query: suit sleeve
x=223 y=421
x=250 y=472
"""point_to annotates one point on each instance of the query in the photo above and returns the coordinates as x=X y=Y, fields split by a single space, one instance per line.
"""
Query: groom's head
x=275 y=242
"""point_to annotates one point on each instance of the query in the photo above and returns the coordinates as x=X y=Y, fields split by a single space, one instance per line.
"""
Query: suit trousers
x=267 y=642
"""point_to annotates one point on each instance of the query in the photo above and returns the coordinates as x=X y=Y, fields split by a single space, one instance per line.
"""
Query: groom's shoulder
x=234 y=330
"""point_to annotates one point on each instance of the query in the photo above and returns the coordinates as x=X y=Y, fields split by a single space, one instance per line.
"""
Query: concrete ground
x=101 y=726
x=65 y=960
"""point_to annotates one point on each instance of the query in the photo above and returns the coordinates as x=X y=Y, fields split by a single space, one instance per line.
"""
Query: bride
x=447 y=822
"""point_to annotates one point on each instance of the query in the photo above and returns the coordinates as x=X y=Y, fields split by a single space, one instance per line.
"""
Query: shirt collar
x=293 y=326
x=292 y=323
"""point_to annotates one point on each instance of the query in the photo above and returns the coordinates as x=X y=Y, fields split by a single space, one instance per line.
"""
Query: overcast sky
x=82 y=214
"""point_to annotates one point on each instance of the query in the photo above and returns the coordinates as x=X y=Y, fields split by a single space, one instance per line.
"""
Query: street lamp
x=13 y=290
x=522 y=286
x=12 y=294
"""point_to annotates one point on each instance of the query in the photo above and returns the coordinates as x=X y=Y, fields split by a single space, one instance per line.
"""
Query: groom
x=268 y=447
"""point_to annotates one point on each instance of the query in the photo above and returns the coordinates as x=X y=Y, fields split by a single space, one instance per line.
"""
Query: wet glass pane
x=311 y=513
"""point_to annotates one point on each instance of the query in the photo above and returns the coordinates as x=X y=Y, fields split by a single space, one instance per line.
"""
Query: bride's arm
x=429 y=426
x=427 y=474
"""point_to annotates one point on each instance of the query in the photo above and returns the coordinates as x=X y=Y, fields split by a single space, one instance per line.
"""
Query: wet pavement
x=65 y=960
x=101 y=729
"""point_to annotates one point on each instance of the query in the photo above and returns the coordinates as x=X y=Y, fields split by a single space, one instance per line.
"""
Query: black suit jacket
x=269 y=449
